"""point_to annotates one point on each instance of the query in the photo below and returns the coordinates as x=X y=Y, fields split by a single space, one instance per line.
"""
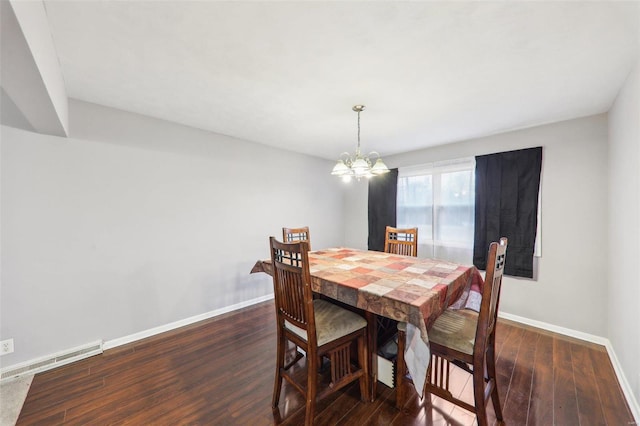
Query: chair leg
x=277 y=387
x=312 y=385
x=478 y=394
x=495 y=399
x=400 y=370
x=491 y=371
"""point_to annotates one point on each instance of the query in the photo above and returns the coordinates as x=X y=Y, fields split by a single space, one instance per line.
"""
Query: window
x=439 y=199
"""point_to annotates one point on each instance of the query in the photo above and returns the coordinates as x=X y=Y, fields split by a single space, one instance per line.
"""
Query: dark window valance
x=507 y=185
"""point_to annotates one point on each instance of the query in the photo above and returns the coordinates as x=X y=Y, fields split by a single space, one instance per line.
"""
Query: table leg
x=372 y=333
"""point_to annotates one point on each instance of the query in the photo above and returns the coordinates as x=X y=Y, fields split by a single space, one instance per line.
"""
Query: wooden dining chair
x=401 y=241
x=290 y=235
x=319 y=327
x=467 y=339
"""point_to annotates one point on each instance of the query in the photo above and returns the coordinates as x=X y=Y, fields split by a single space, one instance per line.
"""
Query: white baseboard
x=624 y=384
x=622 y=379
x=181 y=323
x=556 y=329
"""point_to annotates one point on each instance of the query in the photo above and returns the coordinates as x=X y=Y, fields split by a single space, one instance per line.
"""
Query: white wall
x=624 y=229
x=571 y=289
x=134 y=223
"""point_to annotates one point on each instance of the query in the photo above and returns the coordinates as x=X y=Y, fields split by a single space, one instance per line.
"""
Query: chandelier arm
x=346 y=158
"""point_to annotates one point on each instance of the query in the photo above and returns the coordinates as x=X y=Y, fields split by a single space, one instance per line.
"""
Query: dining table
x=403 y=288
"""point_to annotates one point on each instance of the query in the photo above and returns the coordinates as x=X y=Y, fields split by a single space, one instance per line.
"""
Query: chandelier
x=359 y=166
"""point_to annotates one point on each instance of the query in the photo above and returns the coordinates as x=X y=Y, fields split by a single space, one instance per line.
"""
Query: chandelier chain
x=357 y=153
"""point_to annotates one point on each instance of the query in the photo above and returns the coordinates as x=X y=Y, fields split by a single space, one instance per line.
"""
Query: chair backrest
x=290 y=235
x=401 y=241
x=491 y=293
x=292 y=285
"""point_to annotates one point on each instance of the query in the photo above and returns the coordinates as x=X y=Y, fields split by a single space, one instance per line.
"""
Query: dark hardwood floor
x=220 y=372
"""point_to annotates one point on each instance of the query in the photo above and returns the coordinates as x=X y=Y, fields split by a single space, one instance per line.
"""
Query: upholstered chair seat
x=332 y=322
x=455 y=329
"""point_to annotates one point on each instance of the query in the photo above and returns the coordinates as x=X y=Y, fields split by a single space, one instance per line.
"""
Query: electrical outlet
x=6 y=346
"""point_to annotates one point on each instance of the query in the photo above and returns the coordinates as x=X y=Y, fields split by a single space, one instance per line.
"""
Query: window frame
x=436 y=170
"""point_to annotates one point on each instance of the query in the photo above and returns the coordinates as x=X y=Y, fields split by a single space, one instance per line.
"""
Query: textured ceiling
x=287 y=73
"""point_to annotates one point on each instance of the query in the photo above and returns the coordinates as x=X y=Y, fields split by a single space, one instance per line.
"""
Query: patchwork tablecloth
x=409 y=289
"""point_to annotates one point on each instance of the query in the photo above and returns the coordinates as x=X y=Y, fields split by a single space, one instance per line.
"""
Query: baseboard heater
x=52 y=361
